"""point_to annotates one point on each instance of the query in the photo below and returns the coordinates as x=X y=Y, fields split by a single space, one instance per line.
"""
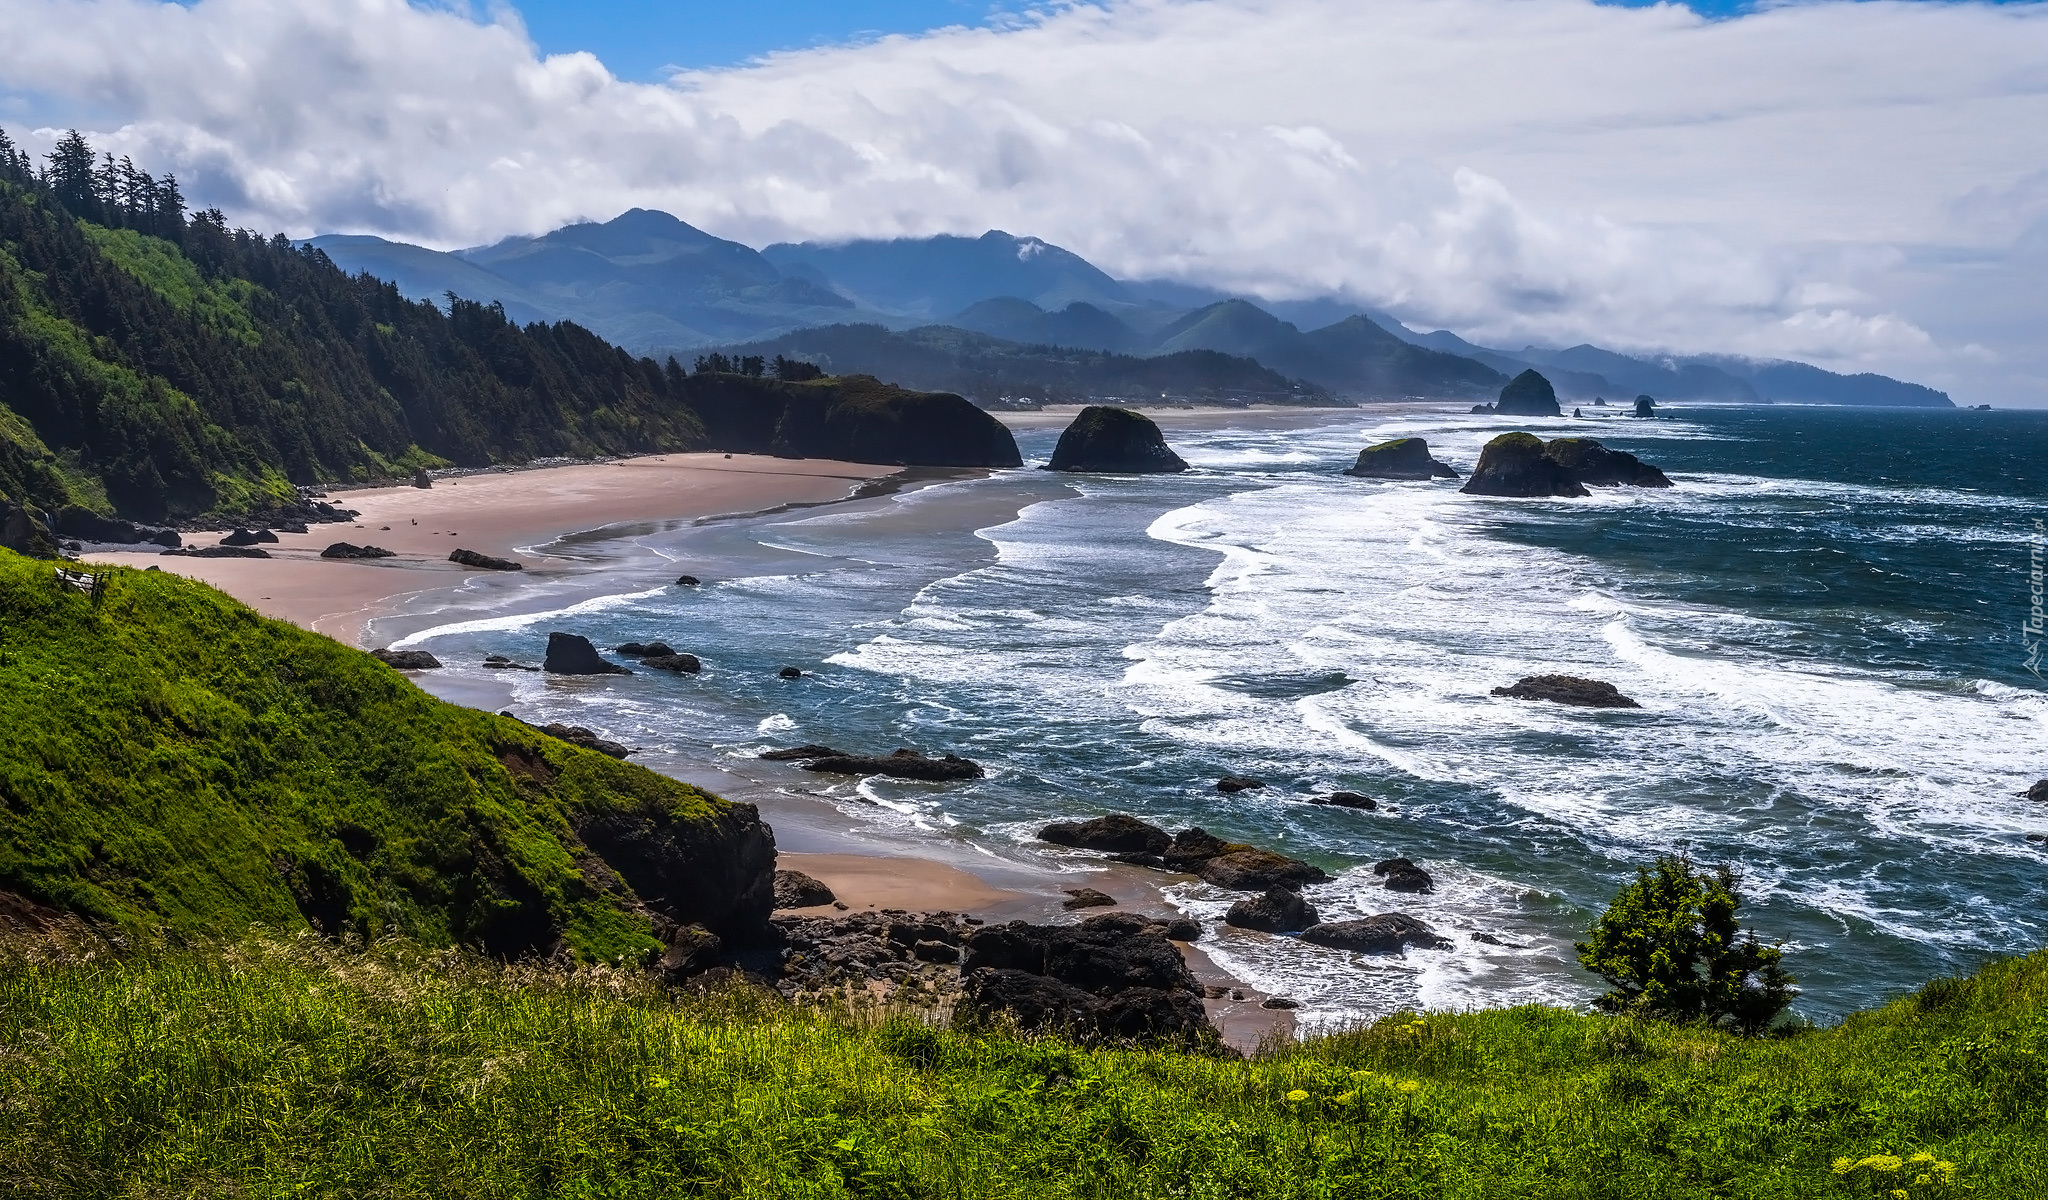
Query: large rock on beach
x=904 y=764
x=1402 y=458
x=1087 y=897
x=248 y=537
x=1528 y=395
x=1567 y=689
x=1114 y=440
x=347 y=550
x=1117 y=833
x=1387 y=933
x=484 y=562
x=794 y=889
x=1514 y=464
x=572 y=654
x=856 y=418
x=219 y=552
x=1592 y=463
x=1280 y=910
x=1112 y=977
x=407 y=660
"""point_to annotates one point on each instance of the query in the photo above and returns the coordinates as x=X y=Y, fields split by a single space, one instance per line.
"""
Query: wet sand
x=510 y=514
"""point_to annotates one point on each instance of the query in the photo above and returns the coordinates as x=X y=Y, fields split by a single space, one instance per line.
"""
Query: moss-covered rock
x=1514 y=464
x=1116 y=441
x=1402 y=458
x=172 y=760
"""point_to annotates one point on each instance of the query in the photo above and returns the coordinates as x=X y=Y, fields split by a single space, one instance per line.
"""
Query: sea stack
x=1590 y=462
x=1528 y=395
x=1402 y=458
x=1115 y=441
x=1646 y=406
x=1514 y=464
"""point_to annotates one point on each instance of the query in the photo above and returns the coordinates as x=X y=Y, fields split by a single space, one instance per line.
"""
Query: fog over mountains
x=1000 y=315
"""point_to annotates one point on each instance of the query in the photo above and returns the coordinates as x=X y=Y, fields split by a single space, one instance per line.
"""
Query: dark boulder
x=1387 y=933
x=350 y=550
x=791 y=673
x=572 y=654
x=794 y=889
x=687 y=581
x=1400 y=875
x=1279 y=1002
x=1230 y=785
x=1114 y=440
x=1514 y=464
x=691 y=950
x=1234 y=865
x=688 y=664
x=1087 y=898
x=1645 y=406
x=904 y=764
x=1567 y=689
x=87 y=525
x=1402 y=458
x=1182 y=929
x=2038 y=793
x=704 y=866
x=1278 y=911
x=24 y=531
x=1192 y=847
x=498 y=662
x=1347 y=800
x=577 y=735
x=1113 y=834
x=1592 y=463
x=219 y=552
x=644 y=649
x=420 y=479
x=407 y=660
x=802 y=753
x=1528 y=395
x=248 y=537
x=1112 y=977
x=484 y=562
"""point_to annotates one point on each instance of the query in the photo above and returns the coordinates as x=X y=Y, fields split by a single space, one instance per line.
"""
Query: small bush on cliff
x=1669 y=948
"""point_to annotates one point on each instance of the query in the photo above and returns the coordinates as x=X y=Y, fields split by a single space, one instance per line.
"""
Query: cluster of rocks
x=903 y=764
x=1567 y=689
x=572 y=654
x=1522 y=464
x=891 y=948
x=249 y=537
x=660 y=656
x=85 y=525
x=222 y=551
x=1402 y=458
x=351 y=550
x=1113 y=977
x=484 y=562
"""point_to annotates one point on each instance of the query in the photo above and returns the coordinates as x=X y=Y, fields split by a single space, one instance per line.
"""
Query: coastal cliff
x=853 y=417
x=175 y=762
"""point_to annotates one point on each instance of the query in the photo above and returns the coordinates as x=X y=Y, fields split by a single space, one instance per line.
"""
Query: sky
x=1859 y=185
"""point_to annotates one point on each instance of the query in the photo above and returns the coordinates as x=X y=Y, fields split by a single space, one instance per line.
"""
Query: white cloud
x=1545 y=170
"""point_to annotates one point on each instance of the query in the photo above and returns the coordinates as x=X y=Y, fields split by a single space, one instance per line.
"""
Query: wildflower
x=1409 y=1085
x=657 y=1082
x=1887 y=1163
x=1296 y=1096
x=1343 y=1097
x=1844 y=1165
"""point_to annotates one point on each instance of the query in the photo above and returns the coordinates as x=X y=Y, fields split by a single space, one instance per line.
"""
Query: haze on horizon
x=1859 y=185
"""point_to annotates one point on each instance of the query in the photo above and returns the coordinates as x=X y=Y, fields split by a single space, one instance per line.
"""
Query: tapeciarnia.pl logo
x=2037 y=621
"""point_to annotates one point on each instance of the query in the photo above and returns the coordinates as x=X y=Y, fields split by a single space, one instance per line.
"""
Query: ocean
x=1823 y=622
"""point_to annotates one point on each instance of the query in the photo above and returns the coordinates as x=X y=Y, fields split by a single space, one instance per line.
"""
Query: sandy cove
x=507 y=514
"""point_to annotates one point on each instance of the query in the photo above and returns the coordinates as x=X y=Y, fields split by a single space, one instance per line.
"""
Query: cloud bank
x=1857 y=184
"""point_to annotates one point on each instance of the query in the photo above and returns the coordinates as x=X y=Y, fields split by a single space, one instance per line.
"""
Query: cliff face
x=171 y=760
x=854 y=417
x=1114 y=440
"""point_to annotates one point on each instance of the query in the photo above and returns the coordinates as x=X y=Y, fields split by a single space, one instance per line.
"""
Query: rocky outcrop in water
x=1402 y=458
x=1235 y=865
x=1567 y=689
x=484 y=562
x=1645 y=406
x=1528 y=395
x=1280 y=910
x=1400 y=875
x=1087 y=898
x=794 y=889
x=903 y=764
x=643 y=649
x=1347 y=800
x=572 y=654
x=1594 y=464
x=1112 y=977
x=1117 y=833
x=687 y=664
x=1514 y=464
x=1387 y=933
x=2038 y=793
x=802 y=753
x=1114 y=441
x=1230 y=785
x=407 y=660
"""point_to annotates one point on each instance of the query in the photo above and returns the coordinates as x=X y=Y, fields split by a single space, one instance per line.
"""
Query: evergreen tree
x=1669 y=948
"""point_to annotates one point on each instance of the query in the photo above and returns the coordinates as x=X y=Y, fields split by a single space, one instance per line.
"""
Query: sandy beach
x=511 y=514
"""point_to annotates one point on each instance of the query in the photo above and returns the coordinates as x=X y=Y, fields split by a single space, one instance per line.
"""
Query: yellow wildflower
x=1409 y=1085
x=1296 y=1096
x=1844 y=1165
x=1886 y=1163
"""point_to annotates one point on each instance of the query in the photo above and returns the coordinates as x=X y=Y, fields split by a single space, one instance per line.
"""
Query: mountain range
x=658 y=286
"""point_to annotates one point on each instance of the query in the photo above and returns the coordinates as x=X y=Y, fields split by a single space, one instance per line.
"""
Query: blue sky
x=642 y=39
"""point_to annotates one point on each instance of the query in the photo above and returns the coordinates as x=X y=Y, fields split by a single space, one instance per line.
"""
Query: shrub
x=1669 y=948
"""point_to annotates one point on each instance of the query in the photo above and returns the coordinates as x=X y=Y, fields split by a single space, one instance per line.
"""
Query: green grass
x=171 y=760
x=297 y=1068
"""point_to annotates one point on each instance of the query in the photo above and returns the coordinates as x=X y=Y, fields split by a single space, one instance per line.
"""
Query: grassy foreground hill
x=170 y=760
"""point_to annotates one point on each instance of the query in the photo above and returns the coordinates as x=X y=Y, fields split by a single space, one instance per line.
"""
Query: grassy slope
x=294 y=1068
x=172 y=759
